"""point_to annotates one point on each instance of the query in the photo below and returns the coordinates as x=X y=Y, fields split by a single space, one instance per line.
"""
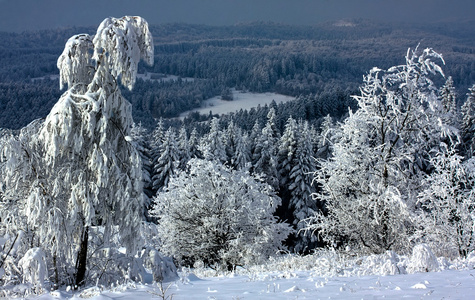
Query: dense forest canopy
x=293 y=60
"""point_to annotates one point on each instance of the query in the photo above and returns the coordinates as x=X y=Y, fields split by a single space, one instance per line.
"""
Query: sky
x=20 y=15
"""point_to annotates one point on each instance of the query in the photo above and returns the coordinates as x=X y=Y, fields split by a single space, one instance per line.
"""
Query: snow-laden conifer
x=264 y=157
x=167 y=161
x=213 y=145
x=468 y=123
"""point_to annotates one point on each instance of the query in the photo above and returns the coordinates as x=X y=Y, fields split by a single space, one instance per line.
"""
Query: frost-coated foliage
x=33 y=265
x=79 y=168
x=422 y=260
x=220 y=216
x=371 y=183
x=447 y=220
x=124 y=42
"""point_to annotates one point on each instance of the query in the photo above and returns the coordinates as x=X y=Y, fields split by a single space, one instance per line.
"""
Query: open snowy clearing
x=450 y=284
x=241 y=100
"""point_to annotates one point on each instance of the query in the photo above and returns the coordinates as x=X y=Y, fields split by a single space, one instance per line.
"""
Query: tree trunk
x=82 y=259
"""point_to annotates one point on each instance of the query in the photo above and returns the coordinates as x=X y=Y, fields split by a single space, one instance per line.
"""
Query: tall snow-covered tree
x=213 y=144
x=264 y=157
x=139 y=136
x=468 y=123
x=370 y=184
x=301 y=188
x=184 y=148
x=167 y=162
x=448 y=96
x=325 y=138
x=297 y=165
x=80 y=168
x=286 y=161
x=219 y=216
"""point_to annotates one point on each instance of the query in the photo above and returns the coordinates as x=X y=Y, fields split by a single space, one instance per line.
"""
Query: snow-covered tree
x=301 y=188
x=264 y=157
x=80 y=168
x=219 y=216
x=448 y=96
x=167 y=162
x=242 y=155
x=468 y=123
x=139 y=136
x=213 y=144
x=286 y=161
x=325 y=138
x=184 y=148
x=447 y=221
x=371 y=183
x=193 y=144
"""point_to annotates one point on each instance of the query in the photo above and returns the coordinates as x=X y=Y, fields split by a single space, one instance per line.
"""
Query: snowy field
x=450 y=284
x=241 y=100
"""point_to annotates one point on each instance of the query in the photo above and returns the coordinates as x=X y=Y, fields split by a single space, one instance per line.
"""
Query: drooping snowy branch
x=121 y=44
x=75 y=63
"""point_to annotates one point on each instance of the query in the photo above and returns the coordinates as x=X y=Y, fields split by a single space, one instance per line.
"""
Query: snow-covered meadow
x=241 y=100
x=327 y=275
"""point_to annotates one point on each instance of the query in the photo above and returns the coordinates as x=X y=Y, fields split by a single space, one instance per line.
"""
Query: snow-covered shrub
x=422 y=260
x=111 y=265
x=221 y=216
x=162 y=267
x=447 y=221
x=388 y=263
x=34 y=267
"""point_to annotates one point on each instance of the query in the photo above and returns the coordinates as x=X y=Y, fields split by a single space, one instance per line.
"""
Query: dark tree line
x=300 y=61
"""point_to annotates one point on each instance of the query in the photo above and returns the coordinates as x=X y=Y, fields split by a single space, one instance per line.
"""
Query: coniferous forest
x=101 y=179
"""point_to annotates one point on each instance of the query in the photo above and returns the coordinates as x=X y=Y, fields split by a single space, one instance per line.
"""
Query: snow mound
x=422 y=260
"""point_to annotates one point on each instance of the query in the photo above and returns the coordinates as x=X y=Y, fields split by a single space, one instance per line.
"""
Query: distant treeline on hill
x=302 y=61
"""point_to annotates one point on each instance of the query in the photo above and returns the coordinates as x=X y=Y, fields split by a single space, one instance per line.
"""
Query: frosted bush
x=34 y=268
x=388 y=263
x=162 y=267
x=422 y=260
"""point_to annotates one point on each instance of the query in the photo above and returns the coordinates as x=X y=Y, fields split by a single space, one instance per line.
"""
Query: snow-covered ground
x=241 y=100
x=163 y=77
x=450 y=284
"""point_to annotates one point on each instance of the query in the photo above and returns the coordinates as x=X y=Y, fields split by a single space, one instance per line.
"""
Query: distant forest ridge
x=299 y=61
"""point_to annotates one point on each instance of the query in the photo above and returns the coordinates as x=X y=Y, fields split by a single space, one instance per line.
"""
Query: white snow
x=450 y=284
x=241 y=100
x=159 y=77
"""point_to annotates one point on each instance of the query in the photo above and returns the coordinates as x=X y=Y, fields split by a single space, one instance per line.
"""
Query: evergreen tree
x=213 y=144
x=300 y=188
x=468 y=123
x=184 y=148
x=242 y=155
x=167 y=161
x=264 y=157
x=287 y=158
x=138 y=134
